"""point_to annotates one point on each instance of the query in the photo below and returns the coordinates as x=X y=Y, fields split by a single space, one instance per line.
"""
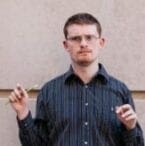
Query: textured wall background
x=31 y=49
x=31 y=37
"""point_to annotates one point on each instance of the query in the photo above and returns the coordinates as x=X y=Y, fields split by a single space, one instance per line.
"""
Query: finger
x=13 y=98
x=131 y=117
x=119 y=110
x=17 y=93
x=21 y=90
x=127 y=113
x=123 y=108
x=126 y=107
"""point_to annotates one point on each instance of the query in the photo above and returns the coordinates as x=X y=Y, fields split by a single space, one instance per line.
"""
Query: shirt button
x=86 y=123
x=25 y=124
x=86 y=86
x=86 y=104
x=85 y=142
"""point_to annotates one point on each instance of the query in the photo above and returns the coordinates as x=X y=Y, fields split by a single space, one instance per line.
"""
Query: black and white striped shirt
x=71 y=113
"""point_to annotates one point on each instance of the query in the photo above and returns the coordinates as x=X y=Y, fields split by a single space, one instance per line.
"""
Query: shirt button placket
x=86 y=123
x=86 y=103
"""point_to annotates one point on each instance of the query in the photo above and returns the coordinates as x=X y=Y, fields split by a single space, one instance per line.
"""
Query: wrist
x=22 y=114
x=130 y=127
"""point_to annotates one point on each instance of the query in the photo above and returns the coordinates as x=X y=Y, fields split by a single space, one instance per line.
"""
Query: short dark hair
x=82 y=18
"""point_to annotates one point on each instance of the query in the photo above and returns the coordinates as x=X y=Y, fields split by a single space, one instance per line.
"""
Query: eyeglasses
x=78 y=39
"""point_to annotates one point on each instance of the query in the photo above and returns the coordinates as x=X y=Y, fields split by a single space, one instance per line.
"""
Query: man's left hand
x=127 y=116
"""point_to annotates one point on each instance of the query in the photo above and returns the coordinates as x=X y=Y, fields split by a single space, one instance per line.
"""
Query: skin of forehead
x=80 y=30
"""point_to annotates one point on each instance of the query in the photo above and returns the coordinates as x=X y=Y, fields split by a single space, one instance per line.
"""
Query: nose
x=83 y=43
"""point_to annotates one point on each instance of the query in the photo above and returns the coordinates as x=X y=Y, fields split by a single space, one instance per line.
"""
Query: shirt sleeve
x=34 y=132
x=132 y=137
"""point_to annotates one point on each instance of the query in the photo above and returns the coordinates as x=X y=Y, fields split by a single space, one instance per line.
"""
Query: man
x=85 y=105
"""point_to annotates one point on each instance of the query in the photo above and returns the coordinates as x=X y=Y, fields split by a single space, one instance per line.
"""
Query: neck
x=86 y=73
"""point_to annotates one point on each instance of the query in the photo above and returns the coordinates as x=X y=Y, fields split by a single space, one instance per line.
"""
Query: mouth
x=84 y=51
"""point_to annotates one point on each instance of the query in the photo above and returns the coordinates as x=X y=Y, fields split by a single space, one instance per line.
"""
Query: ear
x=65 y=45
x=102 y=42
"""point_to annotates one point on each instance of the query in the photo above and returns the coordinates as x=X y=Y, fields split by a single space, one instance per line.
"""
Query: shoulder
x=112 y=82
x=55 y=82
x=119 y=87
x=116 y=83
x=52 y=86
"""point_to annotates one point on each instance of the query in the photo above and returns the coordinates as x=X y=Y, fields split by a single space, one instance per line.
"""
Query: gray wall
x=31 y=50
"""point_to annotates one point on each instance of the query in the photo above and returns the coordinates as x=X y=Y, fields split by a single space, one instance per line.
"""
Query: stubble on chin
x=84 y=63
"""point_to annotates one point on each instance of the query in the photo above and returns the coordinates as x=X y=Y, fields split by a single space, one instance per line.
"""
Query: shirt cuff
x=26 y=122
x=130 y=135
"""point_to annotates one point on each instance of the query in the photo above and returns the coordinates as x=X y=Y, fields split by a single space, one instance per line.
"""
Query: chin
x=84 y=62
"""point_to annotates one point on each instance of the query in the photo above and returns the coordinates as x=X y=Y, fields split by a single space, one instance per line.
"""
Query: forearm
x=133 y=137
x=30 y=132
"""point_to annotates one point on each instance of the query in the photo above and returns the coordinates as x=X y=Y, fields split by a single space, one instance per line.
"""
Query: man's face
x=83 y=44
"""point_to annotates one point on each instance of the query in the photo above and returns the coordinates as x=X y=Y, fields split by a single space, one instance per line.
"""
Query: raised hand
x=127 y=116
x=19 y=101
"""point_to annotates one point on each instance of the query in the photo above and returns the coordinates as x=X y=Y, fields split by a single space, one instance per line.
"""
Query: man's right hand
x=19 y=101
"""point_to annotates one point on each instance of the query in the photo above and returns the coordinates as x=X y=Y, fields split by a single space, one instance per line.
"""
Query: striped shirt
x=71 y=113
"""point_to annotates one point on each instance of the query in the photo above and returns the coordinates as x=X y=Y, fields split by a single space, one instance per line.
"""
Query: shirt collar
x=101 y=74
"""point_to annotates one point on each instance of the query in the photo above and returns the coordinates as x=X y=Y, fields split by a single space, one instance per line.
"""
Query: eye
x=76 y=38
x=89 y=37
